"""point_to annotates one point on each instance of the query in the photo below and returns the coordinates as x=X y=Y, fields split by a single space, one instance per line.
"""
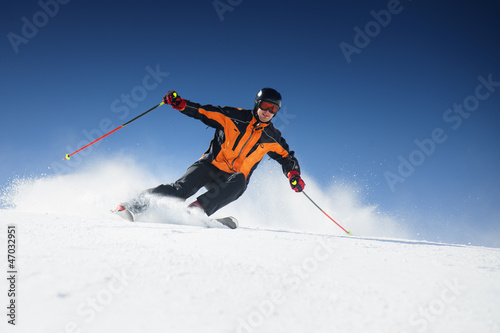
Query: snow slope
x=82 y=269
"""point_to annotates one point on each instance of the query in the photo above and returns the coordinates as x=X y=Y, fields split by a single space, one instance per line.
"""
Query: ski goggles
x=269 y=107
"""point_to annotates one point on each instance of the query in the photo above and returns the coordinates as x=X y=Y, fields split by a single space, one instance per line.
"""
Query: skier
x=242 y=138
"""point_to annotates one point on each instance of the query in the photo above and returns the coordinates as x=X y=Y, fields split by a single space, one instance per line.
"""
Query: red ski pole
x=116 y=129
x=347 y=232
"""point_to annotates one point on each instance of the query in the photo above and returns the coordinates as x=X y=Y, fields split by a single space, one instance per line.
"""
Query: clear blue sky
x=354 y=103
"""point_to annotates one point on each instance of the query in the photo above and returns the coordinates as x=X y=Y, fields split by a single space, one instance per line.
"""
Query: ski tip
x=229 y=221
x=124 y=213
x=349 y=233
x=235 y=223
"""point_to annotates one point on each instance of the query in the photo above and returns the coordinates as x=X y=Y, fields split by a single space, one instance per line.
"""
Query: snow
x=286 y=269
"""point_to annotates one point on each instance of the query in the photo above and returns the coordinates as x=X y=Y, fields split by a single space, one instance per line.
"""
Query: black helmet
x=269 y=95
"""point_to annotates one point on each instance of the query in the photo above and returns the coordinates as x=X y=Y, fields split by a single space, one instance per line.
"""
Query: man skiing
x=242 y=138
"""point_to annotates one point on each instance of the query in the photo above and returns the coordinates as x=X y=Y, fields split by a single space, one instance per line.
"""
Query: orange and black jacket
x=241 y=140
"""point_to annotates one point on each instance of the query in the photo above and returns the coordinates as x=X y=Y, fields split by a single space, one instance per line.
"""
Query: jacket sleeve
x=213 y=116
x=289 y=162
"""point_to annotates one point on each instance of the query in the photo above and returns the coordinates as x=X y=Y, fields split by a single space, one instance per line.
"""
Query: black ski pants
x=223 y=188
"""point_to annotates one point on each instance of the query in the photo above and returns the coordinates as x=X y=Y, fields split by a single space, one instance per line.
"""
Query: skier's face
x=264 y=115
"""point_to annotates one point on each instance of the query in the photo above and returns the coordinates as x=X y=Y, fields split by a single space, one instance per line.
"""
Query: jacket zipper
x=243 y=147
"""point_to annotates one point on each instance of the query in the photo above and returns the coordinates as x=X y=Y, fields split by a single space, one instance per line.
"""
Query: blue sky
x=371 y=92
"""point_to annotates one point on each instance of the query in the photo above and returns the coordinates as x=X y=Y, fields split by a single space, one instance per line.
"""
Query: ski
x=124 y=213
x=229 y=221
